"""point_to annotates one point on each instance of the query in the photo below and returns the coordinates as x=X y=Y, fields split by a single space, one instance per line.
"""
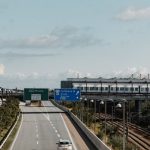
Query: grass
x=3 y=132
x=10 y=139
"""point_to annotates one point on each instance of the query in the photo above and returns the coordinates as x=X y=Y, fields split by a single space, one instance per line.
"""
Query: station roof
x=109 y=80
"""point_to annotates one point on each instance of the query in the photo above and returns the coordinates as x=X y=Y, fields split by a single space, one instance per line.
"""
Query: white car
x=64 y=145
x=28 y=102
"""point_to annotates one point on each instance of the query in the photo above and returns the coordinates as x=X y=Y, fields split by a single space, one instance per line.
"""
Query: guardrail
x=91 y=136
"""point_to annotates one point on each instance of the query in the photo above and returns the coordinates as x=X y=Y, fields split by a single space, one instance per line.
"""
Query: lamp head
x=102 y=102
x=118 y=105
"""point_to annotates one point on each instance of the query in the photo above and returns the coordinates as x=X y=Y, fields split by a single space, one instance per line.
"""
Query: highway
x=42 y=127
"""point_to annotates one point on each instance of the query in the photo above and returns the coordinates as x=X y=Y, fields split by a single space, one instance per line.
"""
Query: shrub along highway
x=42 y=127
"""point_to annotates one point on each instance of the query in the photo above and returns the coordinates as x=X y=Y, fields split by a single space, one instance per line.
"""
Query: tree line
x=8 y=113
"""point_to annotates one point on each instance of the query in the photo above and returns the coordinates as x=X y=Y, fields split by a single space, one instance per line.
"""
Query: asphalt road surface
x=42 y=127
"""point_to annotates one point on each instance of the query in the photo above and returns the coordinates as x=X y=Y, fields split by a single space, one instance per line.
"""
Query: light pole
x=94 y=108
x=95 y=114
x=112 y=113
x=105 y=101
x=81 y=109
x=82 y=100
x=88 y=110
x=94 y=101
x=119 y=106
x=85 y=100
x=85 y=107
x=100 y=103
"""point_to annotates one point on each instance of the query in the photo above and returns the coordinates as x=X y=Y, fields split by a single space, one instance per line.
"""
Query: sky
x=45 y=41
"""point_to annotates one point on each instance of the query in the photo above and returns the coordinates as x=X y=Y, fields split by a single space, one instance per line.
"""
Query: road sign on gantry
x=36 y=94
x=67 y=95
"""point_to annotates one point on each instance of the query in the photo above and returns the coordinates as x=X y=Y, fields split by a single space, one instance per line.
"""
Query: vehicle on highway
x=64 y=145
x=28 y=102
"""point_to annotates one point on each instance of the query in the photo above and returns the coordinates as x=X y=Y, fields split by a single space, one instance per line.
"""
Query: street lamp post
x=94 y=101
x=105 y=120
x=100 y=103
x=94 y=108
x=112 y=114
x=82 y=100
x=81 y=109
x=82 y=105
x=95 y=115
x=105 y=101
x=85 y=100
x=119 y=106
x=88 y=110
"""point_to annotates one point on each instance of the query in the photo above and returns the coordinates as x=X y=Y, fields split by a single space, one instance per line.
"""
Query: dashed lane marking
x=68 y=133
x=56 y=131
x=58 y=135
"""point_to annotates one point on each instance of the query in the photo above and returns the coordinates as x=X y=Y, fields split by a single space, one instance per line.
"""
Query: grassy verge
x=10 y=139
x=3 y=133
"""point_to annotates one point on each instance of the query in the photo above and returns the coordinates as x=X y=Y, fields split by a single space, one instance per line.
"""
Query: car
x=28 y=102
x=64 y=145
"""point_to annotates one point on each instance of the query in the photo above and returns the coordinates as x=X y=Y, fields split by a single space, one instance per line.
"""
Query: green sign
x=34 y=94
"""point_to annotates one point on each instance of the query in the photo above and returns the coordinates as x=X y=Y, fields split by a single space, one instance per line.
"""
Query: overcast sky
x=45 y=41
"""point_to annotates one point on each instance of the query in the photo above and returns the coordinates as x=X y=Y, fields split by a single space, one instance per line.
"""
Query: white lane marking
x=56 y=131
x=37 y=142
x=68 y=133
x=58 y=135
x=17 y=134
x=48 y=118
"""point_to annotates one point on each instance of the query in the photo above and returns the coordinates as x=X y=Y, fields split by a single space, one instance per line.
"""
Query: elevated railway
x=134 y=133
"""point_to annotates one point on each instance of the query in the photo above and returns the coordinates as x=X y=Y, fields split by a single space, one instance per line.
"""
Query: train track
x=135 y=134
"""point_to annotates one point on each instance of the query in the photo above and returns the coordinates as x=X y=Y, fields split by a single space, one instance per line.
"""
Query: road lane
x=56 y=119
x=79 y=139
x=40 y=131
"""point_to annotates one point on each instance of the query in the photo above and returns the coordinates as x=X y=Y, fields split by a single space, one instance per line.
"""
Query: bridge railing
x=100 y=145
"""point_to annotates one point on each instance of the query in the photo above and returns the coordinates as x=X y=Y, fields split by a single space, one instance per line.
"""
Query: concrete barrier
x=91 y=136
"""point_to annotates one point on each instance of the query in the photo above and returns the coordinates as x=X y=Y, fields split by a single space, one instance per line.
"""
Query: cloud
x=67 y=37
x=126 y=73
x=50 y=80
x=134 y=14
x=2 y=69
x=25 y=55
x=22 y=80
x=74 y=74
x=35 y=79
x=136 y=72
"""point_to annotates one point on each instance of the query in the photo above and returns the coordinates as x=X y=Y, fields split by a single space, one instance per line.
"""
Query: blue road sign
x=67 y=94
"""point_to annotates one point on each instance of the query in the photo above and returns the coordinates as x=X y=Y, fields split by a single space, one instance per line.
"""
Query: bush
x=8 y=112
x=116 y=142
x=100 y=134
